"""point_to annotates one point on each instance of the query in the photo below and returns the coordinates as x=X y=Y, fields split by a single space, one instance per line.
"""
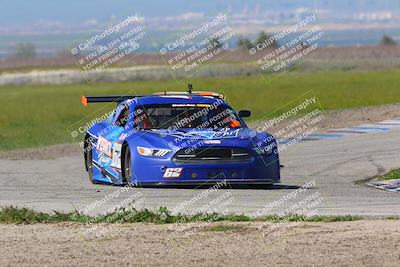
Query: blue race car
x=177 y=138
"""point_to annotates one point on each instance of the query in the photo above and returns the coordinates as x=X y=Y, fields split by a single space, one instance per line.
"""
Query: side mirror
x=244 y=113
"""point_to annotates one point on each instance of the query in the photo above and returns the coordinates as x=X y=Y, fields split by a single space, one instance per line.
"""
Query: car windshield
x=175 y=116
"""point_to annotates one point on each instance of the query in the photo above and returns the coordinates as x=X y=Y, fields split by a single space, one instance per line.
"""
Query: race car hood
x=183 y=138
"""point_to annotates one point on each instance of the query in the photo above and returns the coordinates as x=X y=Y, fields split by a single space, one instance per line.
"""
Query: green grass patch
x=394 y=218
x=226 y=228
x=391 y=175
x=160 y=216
x=34 y=116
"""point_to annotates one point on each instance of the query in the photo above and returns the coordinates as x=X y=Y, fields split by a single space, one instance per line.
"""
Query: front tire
x=127 y=166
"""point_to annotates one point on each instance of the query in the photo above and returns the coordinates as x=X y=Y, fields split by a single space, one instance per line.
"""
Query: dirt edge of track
x=361 y=243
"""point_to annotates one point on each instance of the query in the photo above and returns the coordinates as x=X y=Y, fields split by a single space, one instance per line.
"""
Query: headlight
x=152 y=152
x=265 y=150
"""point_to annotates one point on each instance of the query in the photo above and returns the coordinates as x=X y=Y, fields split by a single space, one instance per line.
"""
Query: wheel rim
x=128 y=166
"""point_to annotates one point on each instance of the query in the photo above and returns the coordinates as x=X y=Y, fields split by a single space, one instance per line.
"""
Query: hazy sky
x=28 y=11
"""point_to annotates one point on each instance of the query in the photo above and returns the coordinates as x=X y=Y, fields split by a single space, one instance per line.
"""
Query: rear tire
x=89 y=162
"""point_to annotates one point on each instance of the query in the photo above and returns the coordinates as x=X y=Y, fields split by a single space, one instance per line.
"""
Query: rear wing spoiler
x=120 y=98
x=106 y=99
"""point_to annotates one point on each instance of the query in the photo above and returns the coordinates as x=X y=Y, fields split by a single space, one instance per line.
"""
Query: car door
x=109 y=144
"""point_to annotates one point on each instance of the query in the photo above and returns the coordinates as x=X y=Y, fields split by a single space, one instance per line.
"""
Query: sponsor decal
x=104 y=159
x=116 y=155
x=173 y=172
x=192 y=105
x=212 y=142
x=183 y=105
x=225 y=133
x=122 y=136
x=203 y=105
x=104 y=146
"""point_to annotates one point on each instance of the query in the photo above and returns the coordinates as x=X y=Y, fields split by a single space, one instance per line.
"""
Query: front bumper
x=200 y=184
x=258 y=170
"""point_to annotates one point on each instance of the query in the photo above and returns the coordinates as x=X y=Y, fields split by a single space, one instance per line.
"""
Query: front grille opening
x=212 y=154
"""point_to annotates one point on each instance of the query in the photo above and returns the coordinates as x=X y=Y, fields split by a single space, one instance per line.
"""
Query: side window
x=123 y=116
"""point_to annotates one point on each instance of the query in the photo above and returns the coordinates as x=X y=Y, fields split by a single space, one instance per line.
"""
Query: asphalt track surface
x=335 y=166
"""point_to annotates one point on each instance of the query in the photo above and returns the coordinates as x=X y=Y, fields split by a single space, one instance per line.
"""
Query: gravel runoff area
x=357 y=243
x=333 y=120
